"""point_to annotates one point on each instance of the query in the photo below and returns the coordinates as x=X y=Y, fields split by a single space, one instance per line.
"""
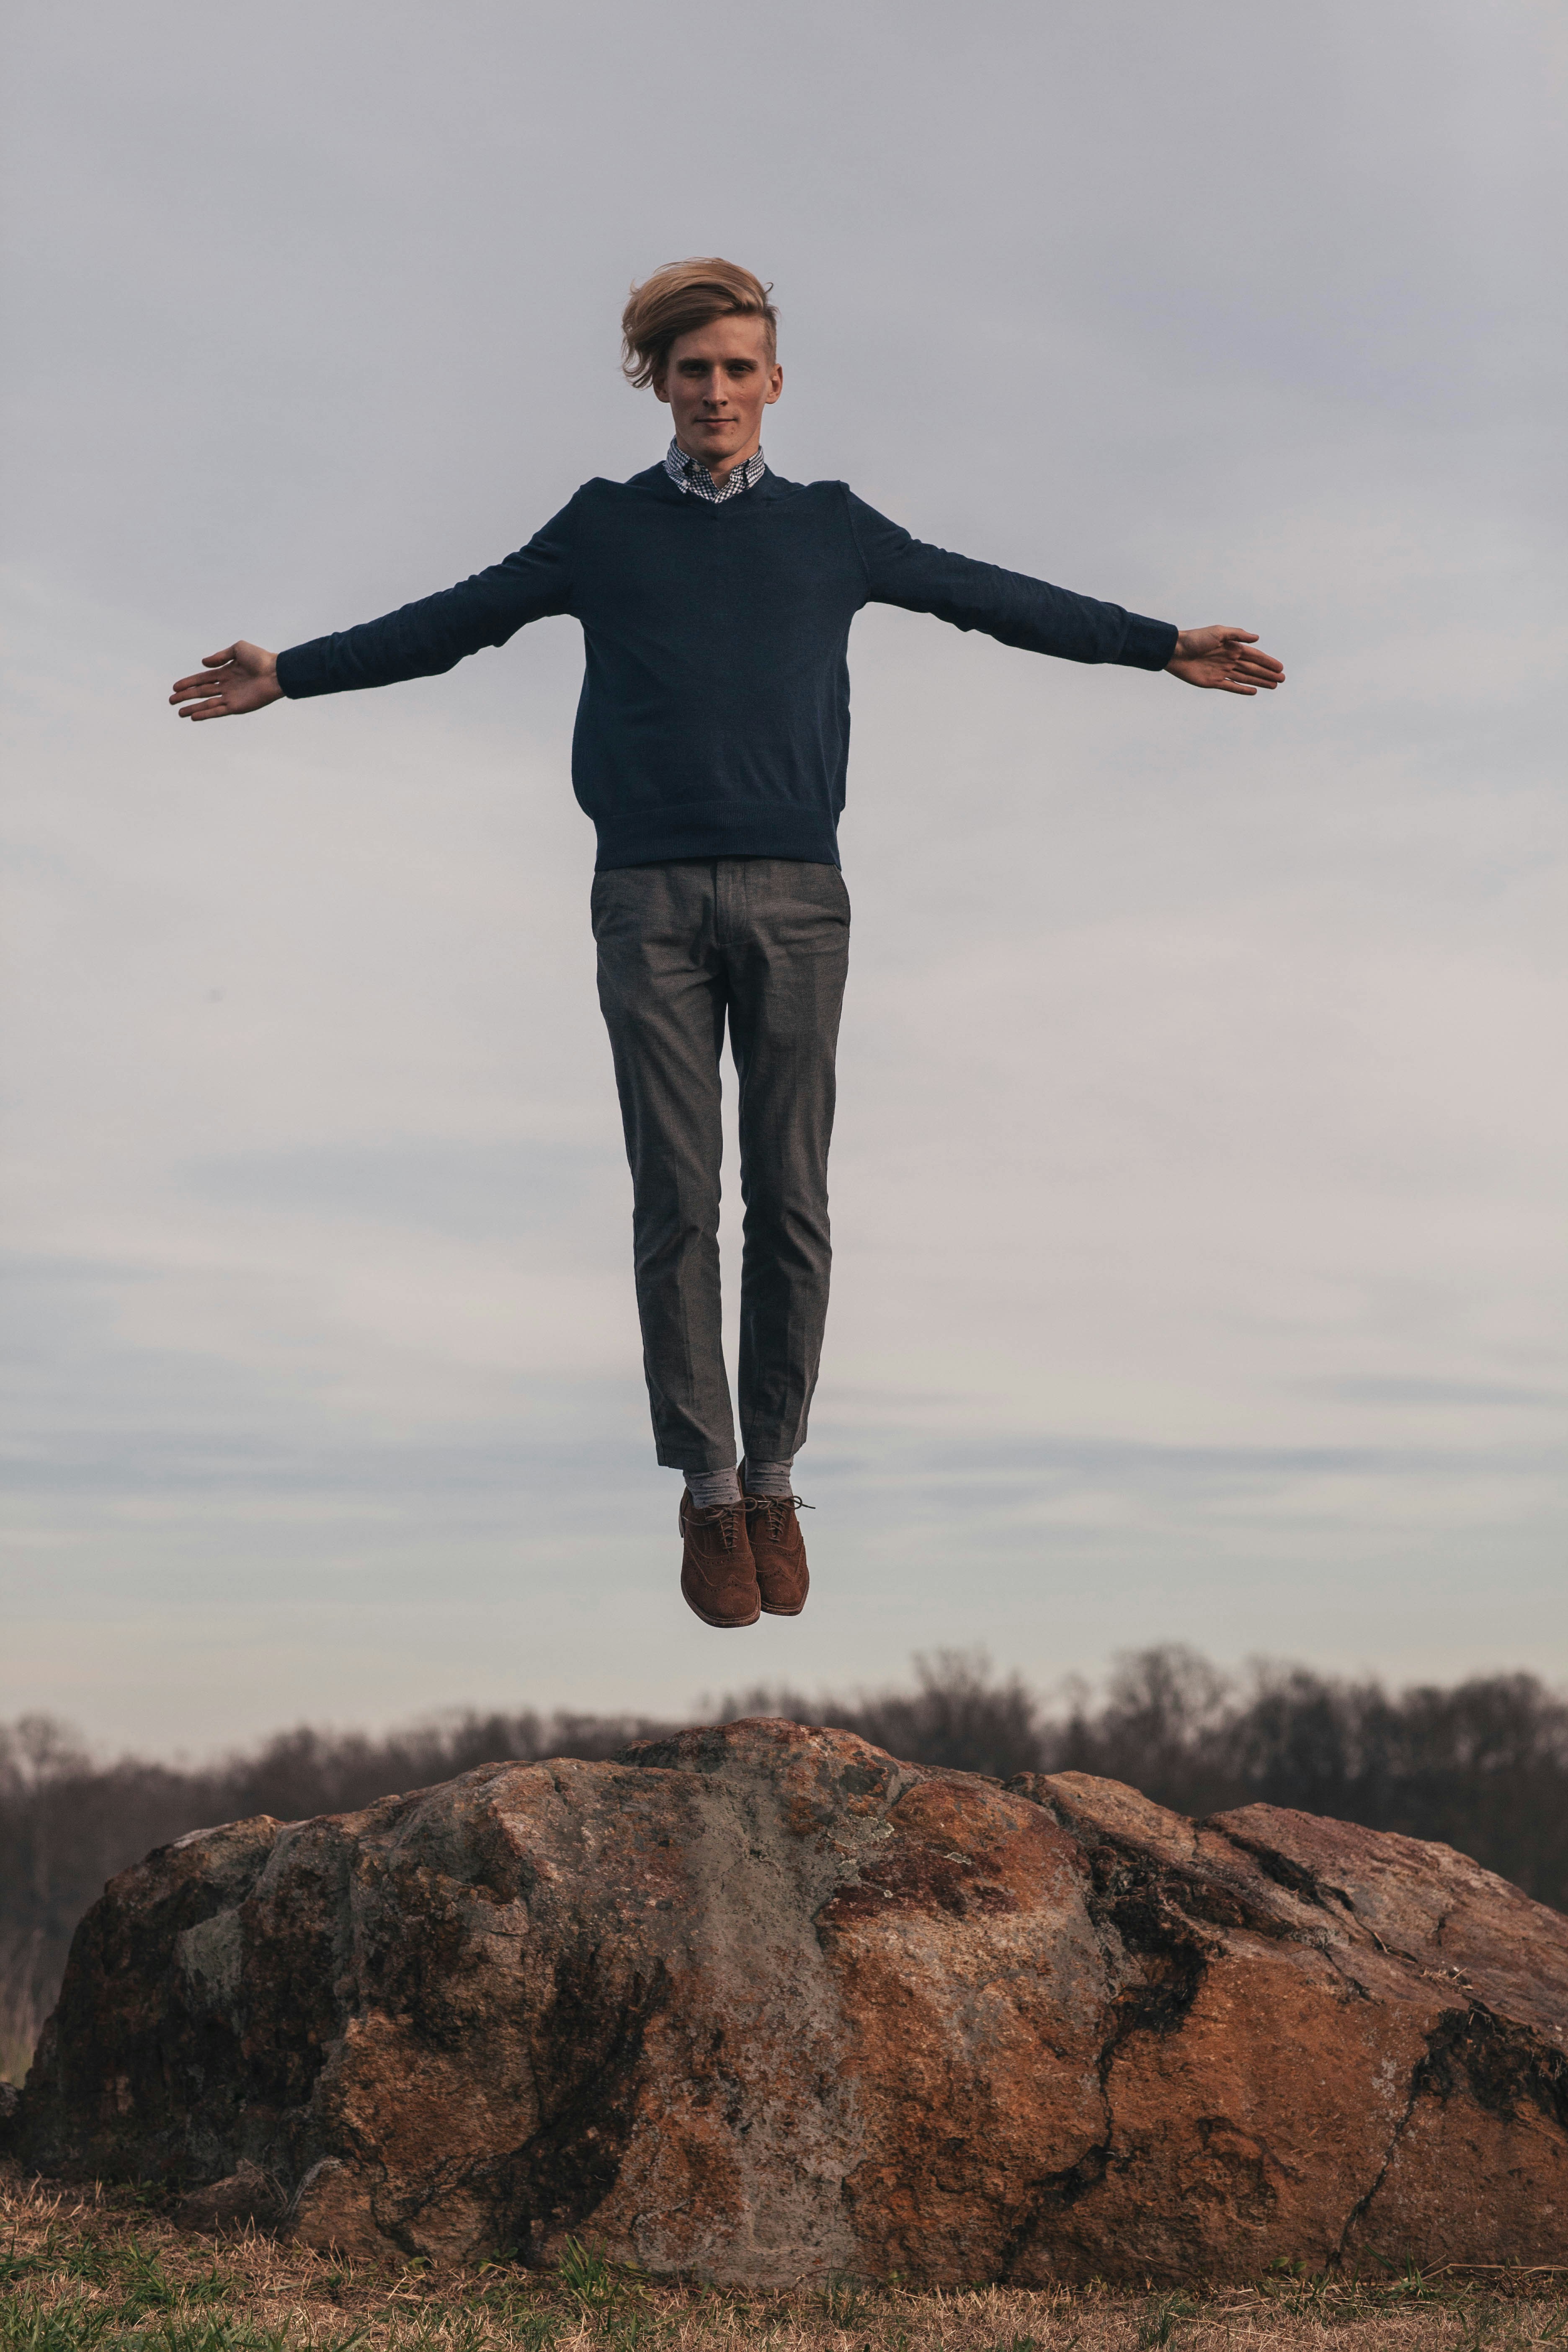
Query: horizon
x=1050 y=1706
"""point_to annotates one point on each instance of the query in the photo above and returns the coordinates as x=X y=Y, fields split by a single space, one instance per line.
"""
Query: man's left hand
x=1224 y=658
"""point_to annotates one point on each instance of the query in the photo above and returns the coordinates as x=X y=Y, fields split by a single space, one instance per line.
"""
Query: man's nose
x=715 y=390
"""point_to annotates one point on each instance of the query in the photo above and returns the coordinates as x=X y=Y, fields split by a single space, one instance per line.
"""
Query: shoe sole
x=720 y=1624
x=723 y=1624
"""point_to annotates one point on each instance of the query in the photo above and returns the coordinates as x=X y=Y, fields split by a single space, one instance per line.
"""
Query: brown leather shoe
x=773 y=1524
x=717 y=1573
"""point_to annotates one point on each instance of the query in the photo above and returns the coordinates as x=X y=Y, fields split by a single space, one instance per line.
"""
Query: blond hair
x=681 y=298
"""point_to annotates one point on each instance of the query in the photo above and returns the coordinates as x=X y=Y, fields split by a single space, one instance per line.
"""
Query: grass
x=101 y=2271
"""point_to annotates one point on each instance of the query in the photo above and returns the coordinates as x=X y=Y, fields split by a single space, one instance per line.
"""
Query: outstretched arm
x=420 y=640
x=1032 y=615
x=1007 y=605
x=1223 y=657
x=242 y=677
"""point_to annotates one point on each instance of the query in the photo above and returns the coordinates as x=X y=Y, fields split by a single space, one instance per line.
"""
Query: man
x=716 y=599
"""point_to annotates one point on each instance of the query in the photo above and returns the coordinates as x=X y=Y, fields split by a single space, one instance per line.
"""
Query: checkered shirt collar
x=691 y=474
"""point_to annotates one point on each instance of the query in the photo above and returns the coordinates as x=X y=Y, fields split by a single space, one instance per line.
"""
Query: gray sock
x=706 y=1488
x=771 y=1478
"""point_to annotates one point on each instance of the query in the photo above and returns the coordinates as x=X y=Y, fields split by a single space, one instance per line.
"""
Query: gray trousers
x=764 y=943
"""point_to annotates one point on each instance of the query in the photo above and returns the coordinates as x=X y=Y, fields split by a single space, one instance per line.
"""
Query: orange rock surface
x=761 y=2003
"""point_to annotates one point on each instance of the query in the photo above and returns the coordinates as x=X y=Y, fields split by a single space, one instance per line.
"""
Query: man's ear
x=661 y=387
x=776 y=387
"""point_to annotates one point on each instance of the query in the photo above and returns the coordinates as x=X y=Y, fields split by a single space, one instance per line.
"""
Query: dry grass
x=101 y=2271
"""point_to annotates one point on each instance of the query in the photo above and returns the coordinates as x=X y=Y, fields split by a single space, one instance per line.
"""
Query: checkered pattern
x=691 y=474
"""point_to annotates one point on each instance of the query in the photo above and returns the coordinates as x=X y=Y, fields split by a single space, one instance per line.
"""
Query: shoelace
x=725 y=1517
x=772 y=1503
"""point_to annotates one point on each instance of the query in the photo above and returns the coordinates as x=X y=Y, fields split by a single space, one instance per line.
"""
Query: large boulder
x=760 y=2003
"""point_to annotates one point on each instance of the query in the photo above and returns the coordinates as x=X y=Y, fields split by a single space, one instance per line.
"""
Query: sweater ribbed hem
x=298 y=675
x=715 y=829
x=1148 y=644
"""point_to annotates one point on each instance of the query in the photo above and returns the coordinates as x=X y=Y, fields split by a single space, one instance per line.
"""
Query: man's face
x=717 y=382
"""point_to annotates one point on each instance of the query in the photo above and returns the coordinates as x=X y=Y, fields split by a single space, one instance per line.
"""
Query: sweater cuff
x=1148 y=644
x=300 y=671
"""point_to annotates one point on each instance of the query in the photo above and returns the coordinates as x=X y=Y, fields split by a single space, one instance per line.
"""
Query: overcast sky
x=1199 y=1178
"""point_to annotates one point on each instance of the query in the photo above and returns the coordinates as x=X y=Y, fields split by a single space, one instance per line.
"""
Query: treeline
x=1483 y=1765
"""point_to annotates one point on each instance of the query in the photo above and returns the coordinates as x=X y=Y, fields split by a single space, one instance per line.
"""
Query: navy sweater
x=714 y=717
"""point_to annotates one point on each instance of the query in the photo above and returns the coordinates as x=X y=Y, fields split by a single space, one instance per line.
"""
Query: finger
x=211 y=661
x=202 y=682
x=214 y=709
x=1240 y=636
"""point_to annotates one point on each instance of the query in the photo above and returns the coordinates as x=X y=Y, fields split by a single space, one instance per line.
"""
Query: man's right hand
x=1223 y=657
x=242 y=677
